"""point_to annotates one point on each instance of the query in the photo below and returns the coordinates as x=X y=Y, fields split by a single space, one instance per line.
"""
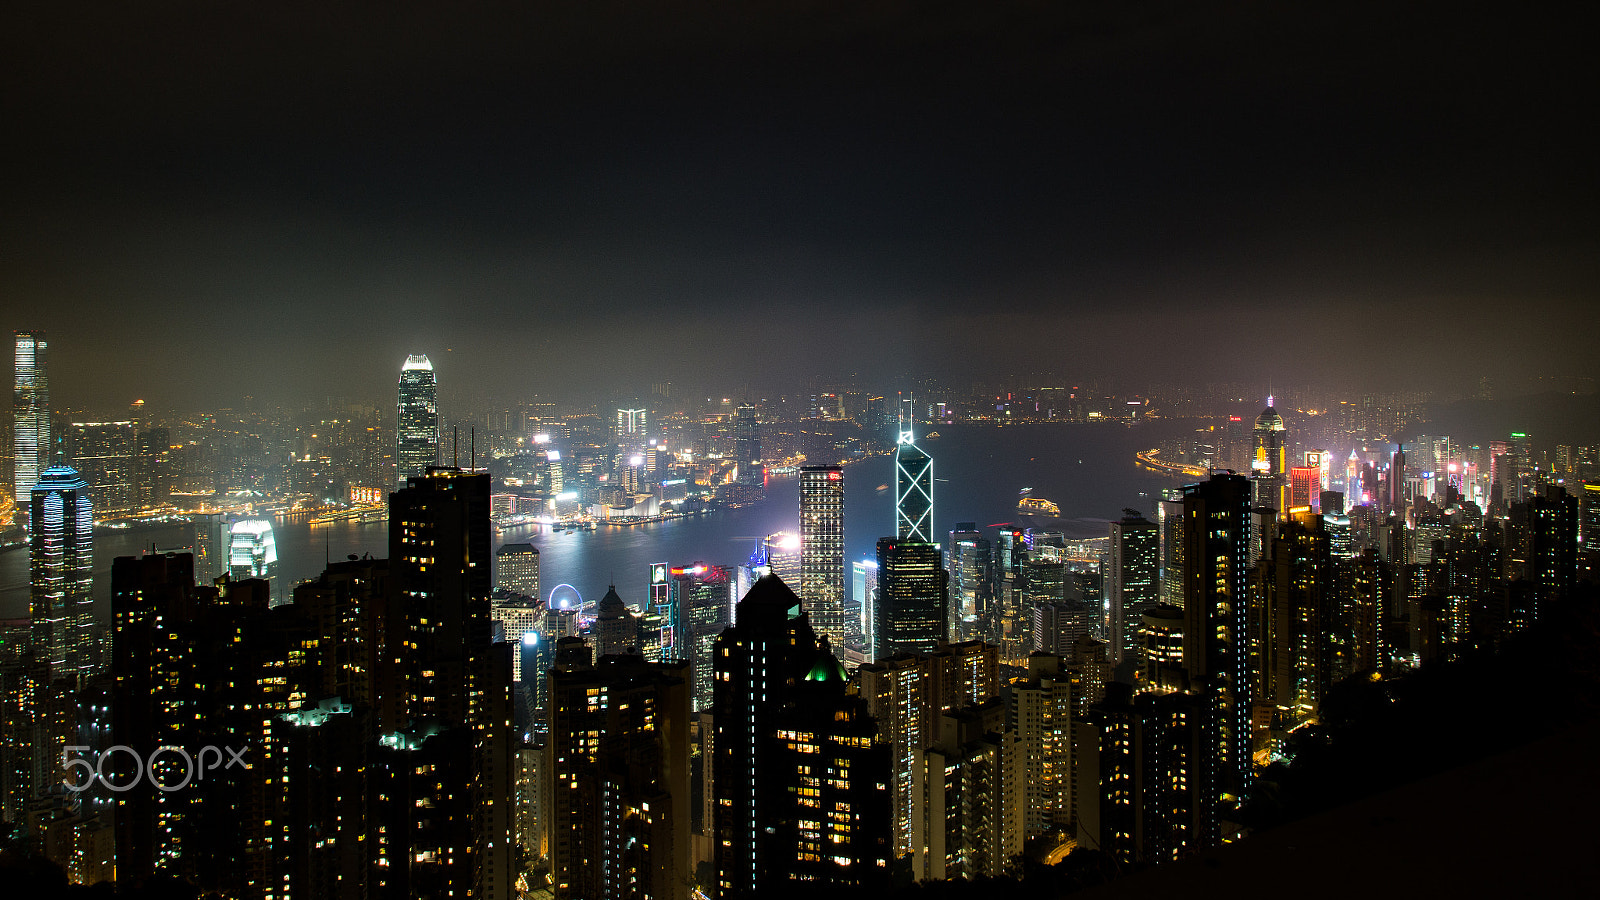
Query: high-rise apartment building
x=417 y=429
x=619 y=778
x=30 y=407
x=61 y=550
x=822 y=551
x=800 y=779
x=1216 y=634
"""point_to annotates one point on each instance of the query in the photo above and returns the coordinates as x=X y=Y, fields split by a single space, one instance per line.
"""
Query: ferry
x=1037 y=506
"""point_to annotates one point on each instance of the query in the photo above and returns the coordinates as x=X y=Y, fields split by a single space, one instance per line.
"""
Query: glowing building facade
x=62 y=563
x=252 y=550
x=913 y=490
x=822 y=551
x=417 y=431
x=31 y=406
x=1269 y=467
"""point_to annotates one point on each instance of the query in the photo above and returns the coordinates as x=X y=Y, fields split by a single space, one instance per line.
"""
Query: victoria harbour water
x=1088 y=470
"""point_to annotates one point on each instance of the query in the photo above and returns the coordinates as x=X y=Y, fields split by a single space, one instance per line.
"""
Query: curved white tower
x=417 y=430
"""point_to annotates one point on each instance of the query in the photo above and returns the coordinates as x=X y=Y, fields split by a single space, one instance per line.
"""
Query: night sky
x=209 y=199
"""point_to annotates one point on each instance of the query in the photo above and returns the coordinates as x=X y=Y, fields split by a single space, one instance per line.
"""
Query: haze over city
x=214 y=202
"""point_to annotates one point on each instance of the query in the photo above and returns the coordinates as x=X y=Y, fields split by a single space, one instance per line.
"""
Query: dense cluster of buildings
x=435 y=724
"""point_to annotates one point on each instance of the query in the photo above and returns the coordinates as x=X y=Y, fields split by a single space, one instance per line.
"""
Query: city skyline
x=489 y=450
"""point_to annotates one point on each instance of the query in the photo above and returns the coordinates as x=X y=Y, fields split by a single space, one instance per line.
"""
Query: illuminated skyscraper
x=1269 y=469
x=632 y=425
x=747 y=445
x=913 y=489
x=62 y=563
x=31 y=406
x=1133 y=582
x=252 y=551
x=822 y=551
x=864 y=594
x=516 y=568
x=913 y=598
x=417 y=432
x=105 y=454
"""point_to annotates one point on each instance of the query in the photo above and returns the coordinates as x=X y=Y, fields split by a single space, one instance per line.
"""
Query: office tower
x=1133 y=582
x=212 y=544
x=515 y=615
x=619 y=779
x=799 y=777
x=1305 y=483
x=864 y=595
x=61 y=549
x=631 y=434
x=105 y=455
x=1397 y=480
x=971 y=581
x=152 y=470
x=703 y=597
x=976 y=793
x=1216 y=651
x=1171 y=523
x=417 y=429
x=913 y=489
x=1057 y=625
x=747 y=446
x=822 y=551
x=516 y=569
x=1269 y=470
x=781 y=555
x=616 y=629
x=1139 y=761
x=913 y=598
x=253 y=551
x=30 y=407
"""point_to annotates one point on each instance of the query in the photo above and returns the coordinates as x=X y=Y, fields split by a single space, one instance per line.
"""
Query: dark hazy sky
x=204 y=199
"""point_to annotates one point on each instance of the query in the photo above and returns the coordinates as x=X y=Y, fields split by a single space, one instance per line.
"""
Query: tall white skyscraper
x=31 y=406
x=417 y=431
x=822 y=551
x=62 y=565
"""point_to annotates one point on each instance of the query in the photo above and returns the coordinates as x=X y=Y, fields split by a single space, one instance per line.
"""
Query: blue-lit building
x=62 y=567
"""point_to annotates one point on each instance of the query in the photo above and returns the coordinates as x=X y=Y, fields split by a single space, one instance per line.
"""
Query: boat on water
x=1030 y=505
